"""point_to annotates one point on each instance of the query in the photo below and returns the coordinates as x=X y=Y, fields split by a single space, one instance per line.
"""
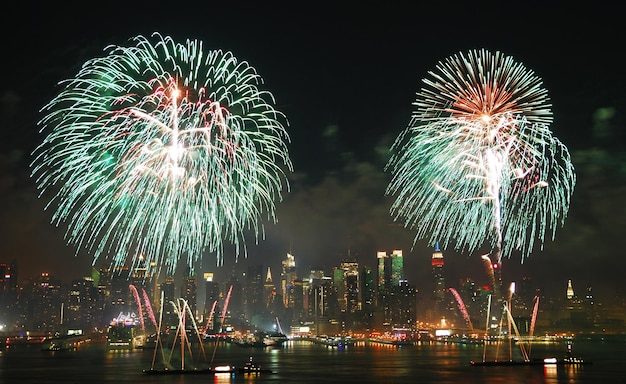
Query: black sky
x=345 y=76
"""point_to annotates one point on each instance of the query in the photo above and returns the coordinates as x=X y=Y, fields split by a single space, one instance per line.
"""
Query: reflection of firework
x=478 y=161
x=162 y=149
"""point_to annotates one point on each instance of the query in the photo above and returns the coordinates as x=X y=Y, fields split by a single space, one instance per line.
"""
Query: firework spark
x=478 y=162
x=162 y=149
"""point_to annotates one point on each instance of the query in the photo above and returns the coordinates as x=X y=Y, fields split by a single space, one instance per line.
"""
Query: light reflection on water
x=303 y=363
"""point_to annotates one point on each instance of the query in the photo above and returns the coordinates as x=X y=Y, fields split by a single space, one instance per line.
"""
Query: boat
x=545 y=361
x=64 y=343
x=262 y=339
x=177 y=371
x=252 y=368
x=120 y=335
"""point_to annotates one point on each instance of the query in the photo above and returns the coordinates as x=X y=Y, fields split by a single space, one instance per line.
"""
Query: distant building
x=439 y=289
x=255 y=301
x=168 y=294
x=211 y=303
x=287 y=278
x=189 y=292
x=390 y=276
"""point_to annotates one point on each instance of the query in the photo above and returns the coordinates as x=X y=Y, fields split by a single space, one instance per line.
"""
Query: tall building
x=189 y=292
x=81 y=307
x=8 y=291
x=368 y=298
x=287 y=278
x=439 y=290
x=390 y=269
x=269 y=291
x=390 y=275
x=168 y=295
x=351 y=296
x=569 y=293
x=403 y=305
x=211 y=302
x=120 y=297
x=46 y=305
x=236 y=302
x=255 y=303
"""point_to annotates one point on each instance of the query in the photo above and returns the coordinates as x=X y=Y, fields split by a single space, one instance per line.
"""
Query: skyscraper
x=168 y=290
x=439 y=291
x=211 y=302
x=390 y=269
x=570 y=290
x=255 y=303
x=269 y=291
x=351 y=286
x=390 y=274
x=287 y=277
x=189 y=292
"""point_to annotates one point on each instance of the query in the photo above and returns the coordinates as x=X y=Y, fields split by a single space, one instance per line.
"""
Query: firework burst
x=478 y=162
x=162 y=149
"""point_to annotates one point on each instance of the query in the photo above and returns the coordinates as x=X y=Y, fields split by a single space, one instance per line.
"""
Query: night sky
x=345 y=76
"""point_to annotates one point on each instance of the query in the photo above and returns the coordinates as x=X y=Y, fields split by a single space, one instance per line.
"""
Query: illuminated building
x=287 y=277
x=254 y=300
x=211 y=301
x=390 y=269
x=168 y=292
x=351 y=285
x=8 y=291
x=390 y=275
x=368 y=289
x=81 y=307
x=439 y=291
x=570 y=290
x=402 y=298
x=269 y=291
x=189 y=292
x=120 y=297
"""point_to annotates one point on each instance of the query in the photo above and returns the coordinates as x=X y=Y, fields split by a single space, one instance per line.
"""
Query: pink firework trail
x=462 y=307
x=226 y=303
x=535 y=309
x=208 y=322
x=133 y=289
x=146 y=301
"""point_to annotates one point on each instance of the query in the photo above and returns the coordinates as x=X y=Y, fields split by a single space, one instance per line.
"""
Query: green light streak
x=164 y=150
x=478 y=164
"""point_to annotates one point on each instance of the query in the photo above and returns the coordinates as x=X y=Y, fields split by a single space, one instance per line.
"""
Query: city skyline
x=345 y=77
x=352 y=297
x=439 y=278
